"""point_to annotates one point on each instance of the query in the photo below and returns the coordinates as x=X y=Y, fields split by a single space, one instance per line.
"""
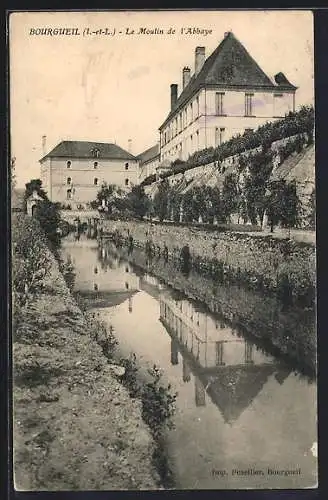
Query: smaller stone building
x=73 y=172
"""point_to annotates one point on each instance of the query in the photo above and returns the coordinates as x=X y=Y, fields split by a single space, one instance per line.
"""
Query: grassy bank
x=75 y=425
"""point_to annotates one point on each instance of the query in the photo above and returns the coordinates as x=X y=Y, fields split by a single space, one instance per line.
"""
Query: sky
x=116 y=88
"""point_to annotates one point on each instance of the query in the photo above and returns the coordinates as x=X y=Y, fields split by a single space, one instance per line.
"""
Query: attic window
x=126 y=166
x=95 y=152
x=68 y=164
x=278 y=95
x=95 y=165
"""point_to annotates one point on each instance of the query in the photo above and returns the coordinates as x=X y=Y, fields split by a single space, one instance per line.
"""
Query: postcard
x=163 y=250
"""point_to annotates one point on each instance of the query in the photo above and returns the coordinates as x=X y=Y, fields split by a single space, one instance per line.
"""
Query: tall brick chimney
x=174 y=94
x=185 y=76
x=199 y=59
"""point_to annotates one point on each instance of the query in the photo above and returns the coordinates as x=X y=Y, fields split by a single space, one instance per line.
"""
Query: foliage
x=283 y=204
x=48 y=215
x=112 y=195
x=160 y=203
x=137 y=202
x=158 y=403
x=35 y=185
x=67 y=270
x=30 y=263
x=229 y=196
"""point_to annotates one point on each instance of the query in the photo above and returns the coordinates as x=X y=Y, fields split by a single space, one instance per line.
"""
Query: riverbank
x=279 y=266
x=75 y=426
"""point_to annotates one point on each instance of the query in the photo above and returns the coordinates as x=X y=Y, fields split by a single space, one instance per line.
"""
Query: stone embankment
x=75 y=427
x=257 y=257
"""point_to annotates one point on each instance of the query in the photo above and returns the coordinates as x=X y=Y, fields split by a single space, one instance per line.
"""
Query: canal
x=245 y=417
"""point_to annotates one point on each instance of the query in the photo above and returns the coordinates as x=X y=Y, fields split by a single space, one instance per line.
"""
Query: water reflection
x=230 y=369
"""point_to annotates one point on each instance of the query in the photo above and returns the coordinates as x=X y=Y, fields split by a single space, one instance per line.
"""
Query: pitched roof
x=149 y=154
x=84 y=149
x=230 y=65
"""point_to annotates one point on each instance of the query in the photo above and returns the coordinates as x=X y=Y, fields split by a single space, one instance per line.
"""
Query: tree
x=47 y=212
x=161 y=200
x=137 y=201
x=274 y=198
x=230 y=196
x=34 y=185
x=283 y=204
x=111 y=195
x=291 y=206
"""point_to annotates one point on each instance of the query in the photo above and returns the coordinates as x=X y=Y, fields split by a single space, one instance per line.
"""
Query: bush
x=158 y=403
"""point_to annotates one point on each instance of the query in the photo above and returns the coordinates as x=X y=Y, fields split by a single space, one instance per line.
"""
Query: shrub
x=158 y=403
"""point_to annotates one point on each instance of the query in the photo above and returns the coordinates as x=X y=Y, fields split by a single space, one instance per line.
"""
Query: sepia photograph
x=163 y=250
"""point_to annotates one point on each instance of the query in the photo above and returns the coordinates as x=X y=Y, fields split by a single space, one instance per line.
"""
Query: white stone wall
x=201 y=124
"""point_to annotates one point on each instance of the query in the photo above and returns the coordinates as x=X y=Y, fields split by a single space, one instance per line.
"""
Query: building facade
x=73 y=172
x=148 y=162
x=227 y=95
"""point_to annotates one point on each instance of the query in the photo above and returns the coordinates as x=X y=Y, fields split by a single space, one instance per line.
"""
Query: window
x=69 y=180
x=219 y=96
x=219 y=136
x=126 y=166
x=68 y=164
x=95 y=287
x=191 y=112
x=126 y=182
x=197 y=106
x=249 y=104
x=95 y=181
x=95 y=165
x=69 y=194
x=249 y=129
x=95 y=152
x=197 y=139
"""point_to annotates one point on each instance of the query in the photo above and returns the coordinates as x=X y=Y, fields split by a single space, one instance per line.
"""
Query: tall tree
x=137 y=202
x=161 y=200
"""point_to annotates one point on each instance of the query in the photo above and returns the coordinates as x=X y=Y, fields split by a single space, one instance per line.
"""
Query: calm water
x=238 y=407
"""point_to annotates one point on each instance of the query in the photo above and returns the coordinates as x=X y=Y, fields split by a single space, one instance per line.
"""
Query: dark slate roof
x=149 y=154
x=83 y=149
x=230 y=65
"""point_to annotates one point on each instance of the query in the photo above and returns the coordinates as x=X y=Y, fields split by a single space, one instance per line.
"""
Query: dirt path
x=75 y=426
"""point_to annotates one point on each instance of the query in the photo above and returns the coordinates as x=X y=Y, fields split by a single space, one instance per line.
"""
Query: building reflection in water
x=230 y=369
